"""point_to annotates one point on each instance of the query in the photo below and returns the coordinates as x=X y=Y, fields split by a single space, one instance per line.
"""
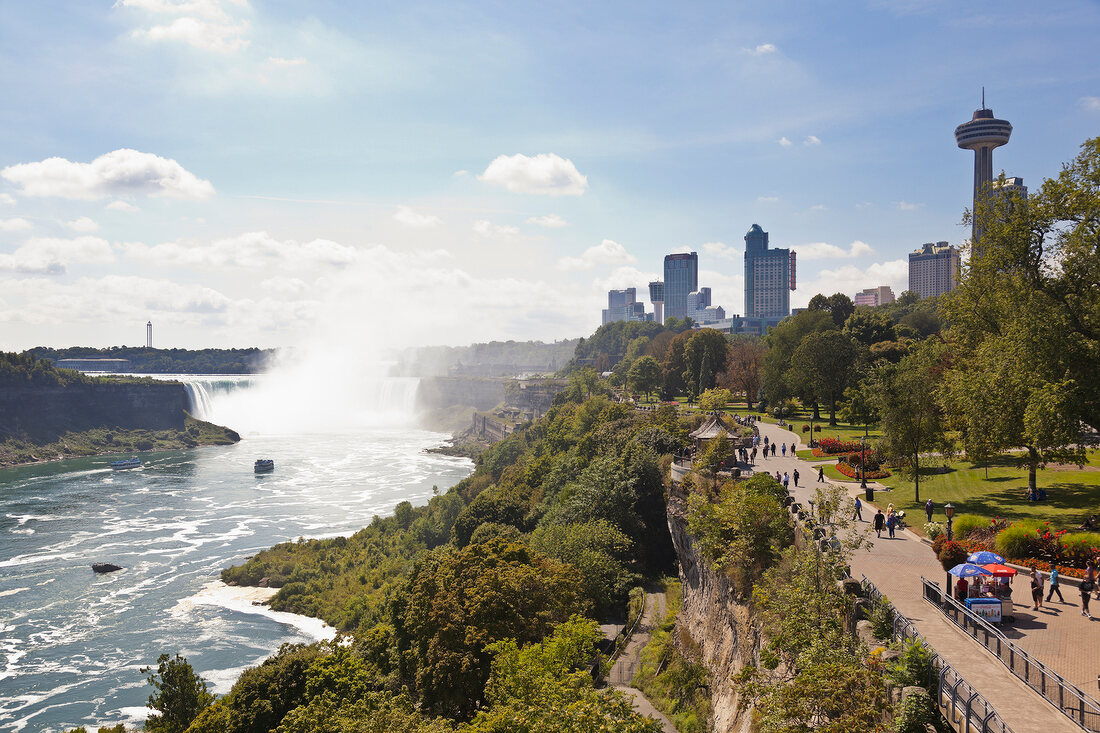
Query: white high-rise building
x=933 y=269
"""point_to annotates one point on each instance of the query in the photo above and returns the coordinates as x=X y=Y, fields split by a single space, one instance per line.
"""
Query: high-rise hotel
x=933 y=269
x=681 y=278
x=769 y=278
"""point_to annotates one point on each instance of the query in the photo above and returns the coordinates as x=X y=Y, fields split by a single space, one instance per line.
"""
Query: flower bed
x=833 y=446
x=853 y=472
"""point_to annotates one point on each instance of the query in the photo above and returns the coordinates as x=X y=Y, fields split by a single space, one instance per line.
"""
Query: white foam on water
x=12 y=592
x=250 y=600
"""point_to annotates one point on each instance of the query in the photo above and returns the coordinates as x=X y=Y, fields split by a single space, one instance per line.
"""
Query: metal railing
x=1062 y=694
x=962 y=705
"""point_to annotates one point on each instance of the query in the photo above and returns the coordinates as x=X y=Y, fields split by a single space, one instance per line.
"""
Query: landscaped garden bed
x=1026 y=542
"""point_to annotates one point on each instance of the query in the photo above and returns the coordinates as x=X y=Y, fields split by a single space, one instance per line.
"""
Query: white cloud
x=409 y=217
x=82 y=224
x=550 y=221
x=626 y=277
x=251 y=250
x=818 y=207
x=204 y=24
x=785 y=142
x=16 y=224
x=1090 y=103
x=121 y=205
x=51 y=256
x=766 y=199
x=284 y=63
x=851 y=279
x=7 y=198
x=825 y=251
x=460 y=174
x=720 y=249
x=762 y=50
x=486 y=228
x=607 y=252
x=906 y=206
x=119 y=172
x=285 y=286
x=545 y=173
x=812 y=140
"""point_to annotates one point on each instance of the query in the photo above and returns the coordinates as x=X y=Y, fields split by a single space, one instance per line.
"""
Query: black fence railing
x=961 y=704
x=1067 y=697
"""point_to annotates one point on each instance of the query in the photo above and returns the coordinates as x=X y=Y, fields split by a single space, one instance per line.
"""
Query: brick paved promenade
x=1057 y=635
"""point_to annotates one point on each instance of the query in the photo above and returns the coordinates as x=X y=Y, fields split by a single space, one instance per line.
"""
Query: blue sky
x=262 y=173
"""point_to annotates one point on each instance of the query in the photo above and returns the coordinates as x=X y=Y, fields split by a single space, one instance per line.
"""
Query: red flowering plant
x=853 y=471
x=1048 y=547
x=834 y=446
x=951 y=554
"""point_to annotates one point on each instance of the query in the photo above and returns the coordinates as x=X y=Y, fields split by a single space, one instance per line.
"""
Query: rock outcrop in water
x=105 y=567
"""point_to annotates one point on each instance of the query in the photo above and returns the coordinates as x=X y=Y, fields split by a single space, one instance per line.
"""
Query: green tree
x=705 y=356
x=644 y=375
x=826 y=363
x=870 y=327
x=860 y=406
x=715 y=400
x=600 y=551
x=912 y=421
x=838 y=305
x=782 y=341
x=714 y=454
x=179 y=695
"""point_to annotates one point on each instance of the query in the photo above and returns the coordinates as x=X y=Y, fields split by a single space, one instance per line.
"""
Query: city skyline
x=255 y=174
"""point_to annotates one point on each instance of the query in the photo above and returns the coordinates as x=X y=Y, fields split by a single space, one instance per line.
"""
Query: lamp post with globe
x=949 y=510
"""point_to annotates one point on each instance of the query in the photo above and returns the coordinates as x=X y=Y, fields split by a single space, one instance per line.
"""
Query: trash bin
x=869 y=493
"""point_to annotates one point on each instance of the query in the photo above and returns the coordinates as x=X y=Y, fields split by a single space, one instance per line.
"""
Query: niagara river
x=72 y=642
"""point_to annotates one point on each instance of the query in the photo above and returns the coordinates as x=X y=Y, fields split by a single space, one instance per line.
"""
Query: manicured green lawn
x=1072 y=495
x=808 y=455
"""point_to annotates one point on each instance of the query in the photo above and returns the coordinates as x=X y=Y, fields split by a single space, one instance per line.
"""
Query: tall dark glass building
x=769 y=278
x=681 y=278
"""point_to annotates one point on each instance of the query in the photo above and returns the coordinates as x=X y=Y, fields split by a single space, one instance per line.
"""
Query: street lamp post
x=949 y=510
x=863 y=463
x=811 y=430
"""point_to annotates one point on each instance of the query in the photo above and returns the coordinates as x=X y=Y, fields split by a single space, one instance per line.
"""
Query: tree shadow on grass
x=1069 y=503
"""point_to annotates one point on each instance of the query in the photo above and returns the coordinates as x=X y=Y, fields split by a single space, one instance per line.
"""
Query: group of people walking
x=890 y=521
x=1086 y=588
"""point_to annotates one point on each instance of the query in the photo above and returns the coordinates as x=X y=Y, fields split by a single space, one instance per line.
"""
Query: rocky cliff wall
x=481 y=393
x=43 y=414
x=712 y=617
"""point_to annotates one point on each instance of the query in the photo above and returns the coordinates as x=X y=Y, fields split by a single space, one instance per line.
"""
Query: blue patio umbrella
x=968 y=570
x=985 y=557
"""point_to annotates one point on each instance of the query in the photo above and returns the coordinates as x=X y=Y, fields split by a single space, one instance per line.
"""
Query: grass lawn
x=1072 y=495
x=835 y=475
x=808 y=455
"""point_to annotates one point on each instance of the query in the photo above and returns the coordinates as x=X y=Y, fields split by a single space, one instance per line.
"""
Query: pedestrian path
x=624 y=668
x=1059 y=637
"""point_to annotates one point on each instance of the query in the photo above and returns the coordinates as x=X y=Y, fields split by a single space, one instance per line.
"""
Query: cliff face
x=711 y=615
x=42 y=414
x=481 y=393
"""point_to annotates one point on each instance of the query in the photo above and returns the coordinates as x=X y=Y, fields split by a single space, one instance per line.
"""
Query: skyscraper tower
x=983 y=133
x=769 y=278
x=657 y=297
x=149 y=335
x=681 y=278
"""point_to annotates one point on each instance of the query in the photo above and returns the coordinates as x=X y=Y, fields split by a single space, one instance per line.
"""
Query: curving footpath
x=1062 y=639
x=622 y=672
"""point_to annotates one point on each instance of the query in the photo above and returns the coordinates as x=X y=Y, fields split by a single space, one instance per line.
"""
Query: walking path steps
x=1057 y=635
x=622 y=672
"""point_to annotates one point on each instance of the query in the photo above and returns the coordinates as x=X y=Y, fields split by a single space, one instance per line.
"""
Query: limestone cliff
x=713 y=618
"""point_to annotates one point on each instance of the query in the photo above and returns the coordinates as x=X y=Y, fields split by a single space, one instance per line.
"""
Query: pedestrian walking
x=1054 y=586
x=754 y=455
x=879 y=521
x=928 y=507
x=784 y=451
x=821 y=474
x=858 y=512
x=778 y=477
x=792 y=450
x=795 y=477
x=1087 y=586
x=891 y=523
x=773 y=450
x=786 y=481
x=765 y=441
x=1036 y=590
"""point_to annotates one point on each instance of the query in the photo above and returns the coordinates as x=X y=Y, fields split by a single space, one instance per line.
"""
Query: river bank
x=113 y=441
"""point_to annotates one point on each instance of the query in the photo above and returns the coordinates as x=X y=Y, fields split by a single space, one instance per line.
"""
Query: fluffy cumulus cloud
x=550 y=221
x=121 y=205
x=607 y=252
x=410 y=217
x=825 y=251
x=812 y=140
x=546 y=173
x=721 y=249
x=486 y=228
x=785 y=142
x=52 y=256
x=251 y=250
x=116 y=173
x=82 y=224
x=210 y=25
x=15 y=224
x=626 y=277
x=850 y=279
x=907 y=206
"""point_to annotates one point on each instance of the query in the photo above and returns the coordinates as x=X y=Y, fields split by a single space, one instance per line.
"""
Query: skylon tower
x=983 y=133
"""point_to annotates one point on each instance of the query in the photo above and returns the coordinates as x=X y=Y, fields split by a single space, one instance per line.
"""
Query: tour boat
x=264 y=465
x=126 y=463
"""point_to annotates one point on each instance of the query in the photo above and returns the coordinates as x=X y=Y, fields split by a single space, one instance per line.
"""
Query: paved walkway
x=1058 y=635
x=622 y=672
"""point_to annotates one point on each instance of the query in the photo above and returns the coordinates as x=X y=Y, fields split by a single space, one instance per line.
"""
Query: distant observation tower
x=983 y=133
